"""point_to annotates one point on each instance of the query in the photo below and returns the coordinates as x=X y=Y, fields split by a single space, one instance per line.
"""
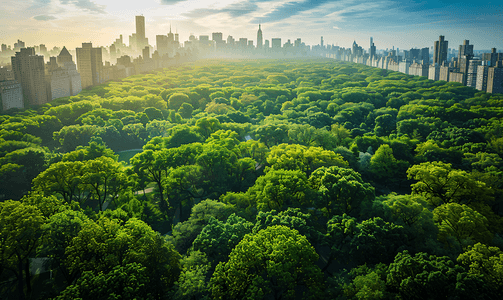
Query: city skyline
x=390 y=23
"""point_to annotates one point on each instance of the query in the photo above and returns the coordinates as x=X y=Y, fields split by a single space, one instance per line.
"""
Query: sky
x=402 y=24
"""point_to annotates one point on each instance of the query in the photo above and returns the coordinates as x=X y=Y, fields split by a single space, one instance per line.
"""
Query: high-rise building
x=146 y=52
x=482 y=71
x=259 y=37
x=141 y=40
x=495 y=78
x=11 y=93
x=171 y=36
x=276 y=43
x=62 y=77
x=162 y=44
x=471 y=75
x=372 y=50
x=19 y=45
x=440 y=50
x=465 y=54
x=424 y=55
x=29 y=70
x=321 y=43
x=90 y=65
x=230 y=40
x=217 y=37
x=64 y=56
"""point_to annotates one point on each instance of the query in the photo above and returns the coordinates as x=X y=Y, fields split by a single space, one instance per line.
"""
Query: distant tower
x=64 y=56
x=171 y=36
x=141 y=41
x=440 y=50
x=29 y=70
x=259 y=37
x=321 y=42
x=90 y=65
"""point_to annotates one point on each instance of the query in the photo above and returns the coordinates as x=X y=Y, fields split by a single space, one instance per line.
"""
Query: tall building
x=425 y=55
x=495 y=78
x=482 y=71
x=276 y=43
x=321 y=42
x=146 y=53
x=217 y=37
x=162 y=44
x=259 y=37
x=90 y=65
x=465 y=54
x=471 y=75
x=372 y=50
x=62 y=77
x=29 y=70
x=141 y=40
x=11 y=93
x=64 y=57
x=440 y=50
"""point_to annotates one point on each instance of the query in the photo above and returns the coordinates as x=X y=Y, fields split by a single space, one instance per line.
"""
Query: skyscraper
x=141 y=41
x=259 y=37
x=465 y=54
x=90 y=65
x=29 y=70
x=11 y=93
x=440 y=50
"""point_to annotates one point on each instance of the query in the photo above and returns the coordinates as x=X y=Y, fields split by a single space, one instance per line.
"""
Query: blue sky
x=403 y=24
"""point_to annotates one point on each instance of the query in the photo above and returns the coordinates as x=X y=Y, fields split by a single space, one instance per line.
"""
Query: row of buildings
x=31 y=80
x=483 y=71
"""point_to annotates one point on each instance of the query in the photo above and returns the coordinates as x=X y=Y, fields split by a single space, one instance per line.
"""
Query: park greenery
x=266 y=179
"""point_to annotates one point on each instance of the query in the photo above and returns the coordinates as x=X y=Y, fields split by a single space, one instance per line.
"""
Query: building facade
x=90 y=65
x=29 y=71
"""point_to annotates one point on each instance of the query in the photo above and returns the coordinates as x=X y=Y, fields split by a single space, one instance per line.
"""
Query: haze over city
x=402 y=24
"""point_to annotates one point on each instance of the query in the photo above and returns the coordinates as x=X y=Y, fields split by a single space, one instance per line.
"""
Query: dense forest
x=267 y=179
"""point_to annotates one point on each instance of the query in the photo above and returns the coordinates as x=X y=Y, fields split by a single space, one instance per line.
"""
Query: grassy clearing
x=126 y=155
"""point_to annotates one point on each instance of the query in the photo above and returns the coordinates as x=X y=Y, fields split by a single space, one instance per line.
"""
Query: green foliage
x=276 y=261
x=340 y=190
x=440 y=184
x=273 y=141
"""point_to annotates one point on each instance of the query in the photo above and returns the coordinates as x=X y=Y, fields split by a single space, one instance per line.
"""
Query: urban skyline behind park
x=396 y=24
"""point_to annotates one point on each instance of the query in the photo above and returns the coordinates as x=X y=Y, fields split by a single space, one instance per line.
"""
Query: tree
x=193 y=281
x=63 y=178
x=425 y=276
x=440 y=184
x=122 y=282
x=279 y=189
x=486 y=261
x=186 y=110
x=305 y=159
x=58 y=233
x=292 y=218
x=385 y=125
x=184 y=233
x=176 y=100
x=277 y=262
x=461 y=223
x=20 y=229
x=340 y=190
x=218 y=238
x=104 y=178
x=105 y=244
x=147 y=165
x=385 y=167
